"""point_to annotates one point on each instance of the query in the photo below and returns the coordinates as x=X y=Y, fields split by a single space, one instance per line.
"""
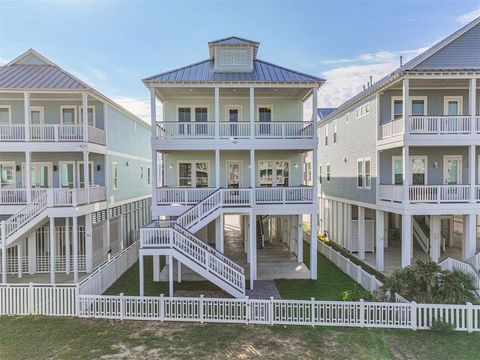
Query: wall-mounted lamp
x=345 y=160
x=99 y=167
x=18 y=168
x=295 y=165
x=171 y=166
x=435 y=164
x=54 y=167
x=127 y=164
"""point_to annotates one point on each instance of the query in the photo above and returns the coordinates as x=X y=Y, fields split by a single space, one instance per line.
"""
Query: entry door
x=234 y=174
x=419 y=170
x=67 y=174
x=233 y=116
x=452 y=166
x=41 y=175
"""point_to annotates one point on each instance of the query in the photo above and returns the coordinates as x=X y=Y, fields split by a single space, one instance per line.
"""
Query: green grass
x=66 y=338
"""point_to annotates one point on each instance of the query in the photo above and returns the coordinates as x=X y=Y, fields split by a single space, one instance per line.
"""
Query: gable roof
x=411 y=66
x=322 y=113
x=263 y=72
x=233 y=41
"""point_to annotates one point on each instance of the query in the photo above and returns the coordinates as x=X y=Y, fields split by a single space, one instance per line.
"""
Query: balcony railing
x=51 y=133
x=428 y=193
x=392 y=128
x=239 y=130
x=262 y=195
x=56 y=196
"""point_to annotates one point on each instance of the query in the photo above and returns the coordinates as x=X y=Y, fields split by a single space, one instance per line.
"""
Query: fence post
x=413 y=315
x=31 y=300
x=247 y=310
x=312 y=311
x=469 y=317
x=362 y=313
x=201 y=309
x=347 y=268
x=359 y=274
x=122 y=309
x=271 y=310
x=162 y=308
x=373 y=283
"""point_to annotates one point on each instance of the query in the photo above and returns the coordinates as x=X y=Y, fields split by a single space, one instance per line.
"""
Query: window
x=368 y=175
x=363 y=110
x=90 y=115
x=274 y=173
x=149 y=175
x=326 y=135
x=264 y=115
x=193 y=174
x=185 y=174
x=69 y=115
x=141 y=171
x=115 y=175
x=5 y=115
x=201 y=116
x=419 y=170
x=347 y=118
x=364 y=173
x=81 y=176
x=184 y=114
x=397 y=170
x=67 y=175
x=335 y=132
x=453 y=105
x=320 y=173
x=308 y=173
x=418 y=107
x=328 y=172
x=360 y=173
x=397 y=109
x=36 y=115
x=7 y=175
x=227 y=57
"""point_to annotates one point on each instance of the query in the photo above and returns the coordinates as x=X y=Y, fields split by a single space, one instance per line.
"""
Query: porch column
x=20 y=258
x=153 y=112
x=217 y=168
x=361 y=232
x=435 y=237
x=170 y=275
x=67 y=245
x=141 y=279
x=345 y=226
x=472 y=102
x=406 y=174
x=253 y=249
x=217 y=112
x=28 y=175
x=349 y=227
x=472 y=170
x=252 y=169
x=300 y=239
x=75 y=248
x=219 y=233
x=252 y=113
x=313 y=246
x=340 y=236
x=88 y=243
x=406 y=240
x=4 y=253
x=32 y=253
x=380 y=238
x=156 y=268
x=85 y=115
x=386 y=226
x=315 y=122
x=406 y=105
x=26 y=114
x=52 y=250
x=469 y=236
x=334 y=221
x=86 y=175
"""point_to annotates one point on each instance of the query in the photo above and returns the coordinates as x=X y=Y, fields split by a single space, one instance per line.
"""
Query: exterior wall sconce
x=171 y=166
x=54 y=167
x=99 y=167
x=17 y=168
x=295 y=165
x=435 y=164
x=345 y=160
x=127 y=164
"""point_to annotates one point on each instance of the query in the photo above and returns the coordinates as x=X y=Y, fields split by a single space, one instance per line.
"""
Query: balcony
x=51 y=133
x=246 y=196
x=428 y=193
x=57 y=197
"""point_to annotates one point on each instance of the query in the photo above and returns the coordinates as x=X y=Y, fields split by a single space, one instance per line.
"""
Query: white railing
x=12 y=132
x=234 y=130
x=439 y=193
x=475 y=261
x=56 y=132
x=184 y=196
x=439 y=124
x=391 y=193
x=283 y=195
x=392 y=128
x=477 y=121
x=452 y=264
x=284 y=130
x=185 y=130
x=477 y=192
x=236 y=197
x=97 y=193
x=104 y=276
x=13 y=196
x=199 y=211
x=96 y=135
x=197 y=251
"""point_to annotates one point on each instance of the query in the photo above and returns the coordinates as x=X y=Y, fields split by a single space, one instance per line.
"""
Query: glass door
x=234 y=172
x=40 y=175
x=419 y=170
x=233 y=117
x=452 y=166
x=80 y=173
x=67 y=176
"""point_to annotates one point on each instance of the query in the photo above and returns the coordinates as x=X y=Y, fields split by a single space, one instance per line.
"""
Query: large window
x=193 y=174
x=90 y=115
x=7 y=175
x=5 y=116
x=397 y=170
x=335 y=132
x=115 y=175
x=274 y=173
x=69 y=115
x=364 y=173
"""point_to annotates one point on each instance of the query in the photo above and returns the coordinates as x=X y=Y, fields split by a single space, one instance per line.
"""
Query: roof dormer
x=233 y=54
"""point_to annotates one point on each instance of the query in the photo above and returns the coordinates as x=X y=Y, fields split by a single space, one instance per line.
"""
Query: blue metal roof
x=204 y=72
x=233 y=40
x=324 y=112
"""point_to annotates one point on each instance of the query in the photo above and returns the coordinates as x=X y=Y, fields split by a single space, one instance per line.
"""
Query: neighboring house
x=75 y=173
x=398 y=163
x=231 y=142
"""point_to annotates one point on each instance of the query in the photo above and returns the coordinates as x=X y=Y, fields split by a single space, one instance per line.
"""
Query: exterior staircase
x=471 y=267
x=421 y=234
x=177 y=239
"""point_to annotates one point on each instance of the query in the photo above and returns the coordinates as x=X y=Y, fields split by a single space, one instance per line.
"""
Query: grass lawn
x=66 y=338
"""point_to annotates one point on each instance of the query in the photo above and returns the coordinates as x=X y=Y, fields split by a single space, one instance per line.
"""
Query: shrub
x=356 y=294
x=441 y=326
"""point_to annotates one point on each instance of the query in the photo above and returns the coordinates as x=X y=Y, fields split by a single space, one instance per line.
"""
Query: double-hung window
x=364 y=173
x=397 y=110
x=335 y=132
x=328 y=172
x=184 y=116
x=5 y=115
x=326 y=135
x=115 y=175
x=69 y=115
x=265 y=116
x=90 y=115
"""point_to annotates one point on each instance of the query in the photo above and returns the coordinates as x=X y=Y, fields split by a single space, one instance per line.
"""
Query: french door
x=40 y=175
x=452 y=169
x=234 y=174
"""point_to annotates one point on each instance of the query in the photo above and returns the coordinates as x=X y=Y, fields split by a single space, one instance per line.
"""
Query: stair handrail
x=475 y=261
x=424 y=240
x=453 y=264
x=185 y=219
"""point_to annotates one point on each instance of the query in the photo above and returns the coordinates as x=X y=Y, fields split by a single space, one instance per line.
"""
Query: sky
x=112 y=45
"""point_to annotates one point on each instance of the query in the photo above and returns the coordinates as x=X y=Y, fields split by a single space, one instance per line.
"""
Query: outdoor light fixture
x=17 y=168
x=295 y=165
x=345 y=160
x=54 y=167
x=171 y=166
x=127 y=164
x=435 y=164
x=99 y=167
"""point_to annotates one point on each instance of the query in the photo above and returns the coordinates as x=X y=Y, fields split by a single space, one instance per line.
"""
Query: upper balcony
x=57 y=197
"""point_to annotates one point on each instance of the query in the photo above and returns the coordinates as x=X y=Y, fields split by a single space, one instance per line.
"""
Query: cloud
x=138 y=106
x=347 y=79
x=470 y=16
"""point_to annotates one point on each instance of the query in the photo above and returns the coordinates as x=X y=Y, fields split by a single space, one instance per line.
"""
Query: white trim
x=237 y=107
x=394 y=158
x=127 y=156
x=227 y=162
x=459 y=99
x=194 y=174
x=264 y=106
x=192 y=111
x=421 y=157
x=9 y=163
x=91 y=170
x=92 y=107
x=459 y=158
x=9 y=109
x=60 y=163
x=74 y=107
x=411 y=98
x=274 y=171
x=40 y=109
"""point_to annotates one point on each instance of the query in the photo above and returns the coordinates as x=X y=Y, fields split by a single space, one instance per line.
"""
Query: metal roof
x=232 y=41
x=204 y=72
x=324 y=112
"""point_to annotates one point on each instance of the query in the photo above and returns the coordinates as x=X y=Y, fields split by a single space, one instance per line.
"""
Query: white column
x=406 y=240
x=52 y=250
x=314 y=119
x=345 y=226
x=252 y=169
x=20 y=258
x=386 y=226
x=217 y=112
x=300 y=239
x=28 y=175
x=435 y=237
x=75 y=248
x=179 y=271
x=141 y=275
x=252 y=112
x=86 y=175
x=153 y=112
x=67 y=245
x=217 y=168
x=85 y=116
x=349 y=226
x=406 y=173
x=361 y=232
x=156 y=268
x=472 y=169
x=469 y=236
x=472 y=101
x=313 y=246
x=26 y=114
x=253 y=249
x=334 y=221
x=380 y=238
x=32 y=253
x=340 y=236
x=170 y=275
x=4 y=253
x=88 y=243
x=406 y=109
x=219 y=233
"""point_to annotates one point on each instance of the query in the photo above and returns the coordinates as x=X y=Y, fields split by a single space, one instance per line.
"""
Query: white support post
x=86 y=175
x=217 y=112
x=26 y=109
x=179 y=272
x=252 y=169
x=361 y=232
x=469 y=236
x=156 y=268
x=28 y=176
x=217 y=168
x=155 y=176
x=170 y=275
x=340 y=233
x=88 y=243
x=75 y=248
x=435 y=237
x=52 y=250
x=252 y=112
x=85 y=116
x=300 y=239
x=4 y=253
x=314 y=120
x=472 y=170
x=20 y=258
x=380 y=240
x=406 y=105
x=345 y=226
x=253 y=249
x=313 y=245
x=334 y=221
x=67 y=245
x=32 y=253
x=472 y=101
x=406 y=174
x=219 y=233
x=141 y=279
x=349 y=226
x=153 y=112
x=406 y=240
x=386 y=226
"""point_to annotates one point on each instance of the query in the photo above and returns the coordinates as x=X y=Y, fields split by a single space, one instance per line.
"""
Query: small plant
x=442 y=326
x=356 y=294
